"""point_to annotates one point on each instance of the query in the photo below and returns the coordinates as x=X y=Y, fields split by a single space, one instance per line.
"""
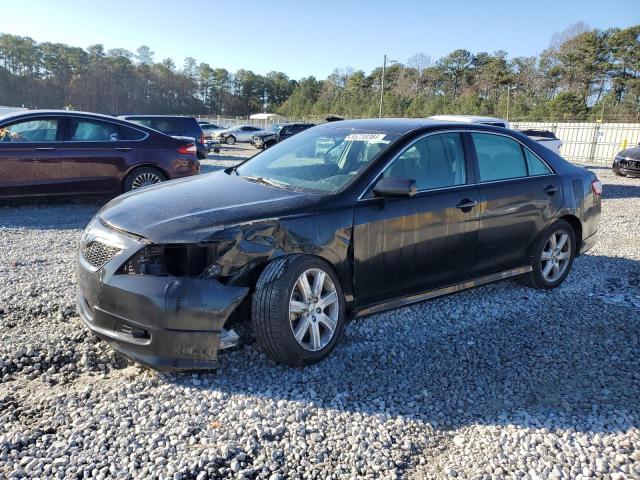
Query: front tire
x=298 y=310
x=231 y=140
x=143 y=177
x=552 y=256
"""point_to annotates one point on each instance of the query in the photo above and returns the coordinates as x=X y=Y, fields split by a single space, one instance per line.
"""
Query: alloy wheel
x=313 y=309
x=555 y=257
x=145 y=179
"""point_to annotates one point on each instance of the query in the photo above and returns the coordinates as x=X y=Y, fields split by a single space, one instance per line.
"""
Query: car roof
x=156 y=116
x=392 y=125
x=39 y=113
x=467 y=118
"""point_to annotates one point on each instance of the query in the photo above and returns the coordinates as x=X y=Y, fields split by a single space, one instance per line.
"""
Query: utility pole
x=509 y=88
x=384 y=68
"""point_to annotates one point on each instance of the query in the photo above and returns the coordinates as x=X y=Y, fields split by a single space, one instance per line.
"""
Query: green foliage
x=584 y=74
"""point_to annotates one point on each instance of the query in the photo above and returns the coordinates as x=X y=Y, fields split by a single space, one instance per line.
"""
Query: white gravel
x=498 y=382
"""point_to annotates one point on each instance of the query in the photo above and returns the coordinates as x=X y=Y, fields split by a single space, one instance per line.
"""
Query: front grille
x=97 y=253
x=630 y=163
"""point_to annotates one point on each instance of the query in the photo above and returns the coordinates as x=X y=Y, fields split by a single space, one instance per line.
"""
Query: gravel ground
x=498 y=382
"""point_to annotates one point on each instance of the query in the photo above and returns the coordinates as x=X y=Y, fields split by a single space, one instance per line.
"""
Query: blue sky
x=304 y=38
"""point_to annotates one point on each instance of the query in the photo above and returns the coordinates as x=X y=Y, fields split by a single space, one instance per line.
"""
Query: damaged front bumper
x=165 y=322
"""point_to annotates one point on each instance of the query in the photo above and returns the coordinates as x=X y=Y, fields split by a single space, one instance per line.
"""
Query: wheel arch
x=576 y=224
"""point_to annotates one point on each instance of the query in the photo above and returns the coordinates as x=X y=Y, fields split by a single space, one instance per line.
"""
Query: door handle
x=45 y=148
x=550 y=189
x=466 y=205
x=123 y=149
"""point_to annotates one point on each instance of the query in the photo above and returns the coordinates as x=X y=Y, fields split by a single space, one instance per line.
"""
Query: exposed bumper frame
x=165 y=322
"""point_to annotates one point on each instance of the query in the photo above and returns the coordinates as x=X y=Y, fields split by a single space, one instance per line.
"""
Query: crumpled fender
x=245 y=247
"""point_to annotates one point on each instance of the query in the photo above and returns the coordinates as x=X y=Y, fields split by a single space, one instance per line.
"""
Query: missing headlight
x=171 y=260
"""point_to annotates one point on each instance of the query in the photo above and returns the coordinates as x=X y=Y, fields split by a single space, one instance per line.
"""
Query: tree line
x=585 y=74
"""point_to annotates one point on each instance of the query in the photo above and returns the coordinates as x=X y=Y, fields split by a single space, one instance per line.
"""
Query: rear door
x=96 y=154
x=408 y=245
x=519 y=195
x=29 y=163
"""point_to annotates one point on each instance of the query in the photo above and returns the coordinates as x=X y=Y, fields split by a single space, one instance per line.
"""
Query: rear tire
x=552 y=257
x=230 y=140
x=292 y=327
x=143 y=177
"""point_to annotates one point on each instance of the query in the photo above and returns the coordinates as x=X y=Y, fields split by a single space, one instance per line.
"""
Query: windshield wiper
x=265 y=181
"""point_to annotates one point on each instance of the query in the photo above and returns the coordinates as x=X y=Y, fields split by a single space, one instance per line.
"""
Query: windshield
x=322 y=159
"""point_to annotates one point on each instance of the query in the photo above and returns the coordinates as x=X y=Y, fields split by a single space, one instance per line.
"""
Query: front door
x=403 y=246
x=29 y=163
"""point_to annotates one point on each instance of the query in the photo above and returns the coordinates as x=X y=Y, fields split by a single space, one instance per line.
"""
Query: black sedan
x=50 y=152
x=627 y=162
x=344 y=219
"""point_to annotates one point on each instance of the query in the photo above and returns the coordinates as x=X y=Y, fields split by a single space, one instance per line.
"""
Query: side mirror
x=395 y=187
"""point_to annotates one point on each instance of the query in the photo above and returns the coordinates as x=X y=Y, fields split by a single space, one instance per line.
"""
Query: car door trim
x=467 y=158
x=438 y=292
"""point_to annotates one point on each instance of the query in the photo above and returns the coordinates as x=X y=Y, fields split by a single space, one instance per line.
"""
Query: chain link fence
x=589 y=142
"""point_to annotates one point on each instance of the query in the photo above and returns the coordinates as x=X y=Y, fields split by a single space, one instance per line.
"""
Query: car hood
x=633 y=153
x=194 y=209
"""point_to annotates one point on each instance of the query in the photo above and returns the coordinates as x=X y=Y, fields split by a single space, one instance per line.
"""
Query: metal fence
x=581 y=142
x=589 y=142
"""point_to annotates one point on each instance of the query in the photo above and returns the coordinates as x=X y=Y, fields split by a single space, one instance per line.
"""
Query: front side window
x=499 y=157
x=435 y=161
x=43 y=130
x=322 y=159
x=93 y=131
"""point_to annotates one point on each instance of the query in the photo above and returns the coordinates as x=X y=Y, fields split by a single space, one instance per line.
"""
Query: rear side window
x=93 y=131
x=435 y=161
x=499 y=157
x=82 y=130
x=131 y=133
x=535 y=165
x=40 y=130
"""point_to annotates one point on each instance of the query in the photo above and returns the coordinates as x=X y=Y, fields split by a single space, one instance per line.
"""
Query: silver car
x=239 y=133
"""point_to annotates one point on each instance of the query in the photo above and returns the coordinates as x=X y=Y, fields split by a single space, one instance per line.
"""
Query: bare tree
x=572 y=31
x=420 y=61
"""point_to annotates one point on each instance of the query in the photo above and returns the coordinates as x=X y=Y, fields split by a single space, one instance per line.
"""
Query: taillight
x=596 y=186
x=188 y=148
x=202 y=138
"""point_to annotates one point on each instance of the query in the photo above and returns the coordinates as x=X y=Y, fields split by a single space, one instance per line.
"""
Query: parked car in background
x=544 y=137
x=49 y=152
x=238 y=133
x=395 y=212
x=277 y=133
x=173 y=125
x=627 y=162
x=209 y=130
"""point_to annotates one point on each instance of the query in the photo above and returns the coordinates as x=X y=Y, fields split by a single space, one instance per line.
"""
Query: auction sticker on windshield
x=365 y=137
